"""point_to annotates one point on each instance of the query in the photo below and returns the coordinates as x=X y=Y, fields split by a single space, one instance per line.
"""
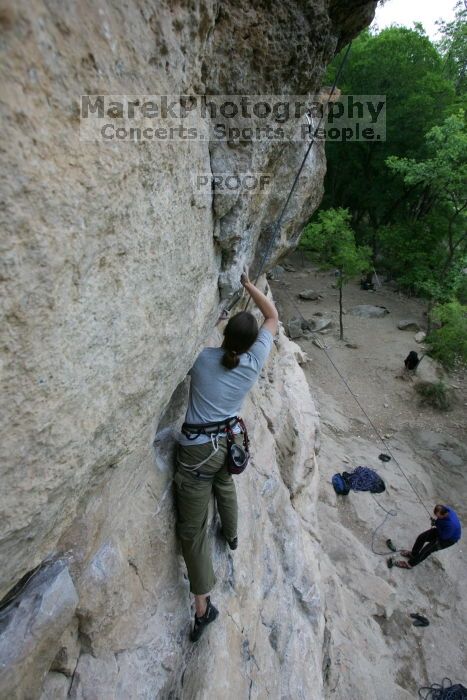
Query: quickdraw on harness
x=237 y=456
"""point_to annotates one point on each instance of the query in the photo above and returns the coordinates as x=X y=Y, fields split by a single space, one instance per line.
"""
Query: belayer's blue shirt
x=449 y=528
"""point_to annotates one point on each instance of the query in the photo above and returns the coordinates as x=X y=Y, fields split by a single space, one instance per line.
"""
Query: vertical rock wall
x=112 y=274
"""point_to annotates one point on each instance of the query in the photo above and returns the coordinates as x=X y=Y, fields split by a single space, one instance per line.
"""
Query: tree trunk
x=341 y=326
x=428 y=316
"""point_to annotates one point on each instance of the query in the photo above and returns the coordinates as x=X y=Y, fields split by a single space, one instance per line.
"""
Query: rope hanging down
x=297 y=176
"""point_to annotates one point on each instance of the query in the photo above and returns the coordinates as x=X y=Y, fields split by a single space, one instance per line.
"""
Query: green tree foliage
x=405 y=66
x=428 y=249
x=437 y=395
x=453 y=47
x=407 y=196
x=448 y=344
x=440 y=179
x=331 y=241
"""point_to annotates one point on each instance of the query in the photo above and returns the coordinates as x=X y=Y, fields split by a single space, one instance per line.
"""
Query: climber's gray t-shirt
x=217 y=393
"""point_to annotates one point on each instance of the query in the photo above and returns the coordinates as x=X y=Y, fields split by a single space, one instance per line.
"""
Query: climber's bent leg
x=226 y=499
x=425 y=544
x=192 y=496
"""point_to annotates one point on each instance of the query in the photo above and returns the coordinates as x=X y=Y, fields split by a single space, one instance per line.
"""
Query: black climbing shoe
x=202 y=622
x=390 y=546
x=419 y=620
x=233 y=544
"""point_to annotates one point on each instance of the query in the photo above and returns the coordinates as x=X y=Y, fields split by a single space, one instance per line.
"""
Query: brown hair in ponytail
x=239 y=335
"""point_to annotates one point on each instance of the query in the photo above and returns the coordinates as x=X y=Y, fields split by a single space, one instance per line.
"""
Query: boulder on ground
x=420 y=336
x=321 y=324
x=294 y=328
x=428 y=370
x=309 y=294
x=369 y=311
x=276 y=273
x=288 y=267
x=408 y=325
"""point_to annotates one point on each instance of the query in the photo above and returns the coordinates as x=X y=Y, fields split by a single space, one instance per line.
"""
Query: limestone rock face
x=113 y=273
x=30 y=630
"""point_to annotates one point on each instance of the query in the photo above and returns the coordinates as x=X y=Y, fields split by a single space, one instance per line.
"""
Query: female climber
x=220 y=380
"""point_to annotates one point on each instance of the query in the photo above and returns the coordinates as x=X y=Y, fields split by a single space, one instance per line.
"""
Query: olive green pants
x=193 y=496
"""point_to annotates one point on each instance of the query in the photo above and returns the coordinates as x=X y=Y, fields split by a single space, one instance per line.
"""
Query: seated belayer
x=445 y=531
x=214 y=443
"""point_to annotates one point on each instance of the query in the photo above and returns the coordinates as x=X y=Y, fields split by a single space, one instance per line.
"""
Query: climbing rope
x=278 y=224
x=365 y=479
x=389 y=514
x=443 y=691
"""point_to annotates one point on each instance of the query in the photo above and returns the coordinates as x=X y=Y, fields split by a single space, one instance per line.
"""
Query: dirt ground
x=373 y=651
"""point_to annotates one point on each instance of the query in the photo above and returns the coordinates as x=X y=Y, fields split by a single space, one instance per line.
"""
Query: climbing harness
x=193 y=468
x=445 y=691
x=313 y=136
x=193 y=430
x=237 y=456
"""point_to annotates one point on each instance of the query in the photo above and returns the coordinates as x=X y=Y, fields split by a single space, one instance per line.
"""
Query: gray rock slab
x=276 y=274
x=429 y=370
x=408 y=325
x=369 y=311
x=31 y=628
x=309 y=295
x=95 y=678
x=321 y=324
x=294 y=328
x=450 y=459
x=55 y=687
x=68 y=652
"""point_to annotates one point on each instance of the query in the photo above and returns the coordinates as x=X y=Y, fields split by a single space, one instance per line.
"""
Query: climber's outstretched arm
x=267 y=308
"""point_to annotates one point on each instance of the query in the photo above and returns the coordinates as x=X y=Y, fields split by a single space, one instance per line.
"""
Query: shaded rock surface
x=31 y=627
